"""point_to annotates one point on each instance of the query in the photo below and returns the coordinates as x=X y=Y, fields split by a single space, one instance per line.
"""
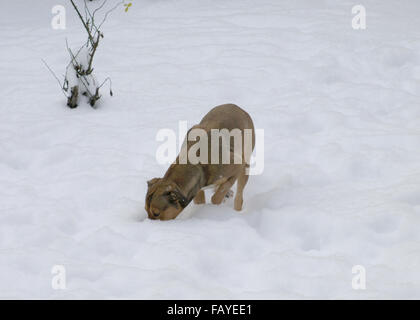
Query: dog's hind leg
x=222 y=190
x=200 y=197
x=242 y=180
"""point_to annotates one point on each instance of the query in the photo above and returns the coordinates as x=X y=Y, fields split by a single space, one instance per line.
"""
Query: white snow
x=341 y=186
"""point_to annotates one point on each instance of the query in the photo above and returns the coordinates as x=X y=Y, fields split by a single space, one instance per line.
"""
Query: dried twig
x=109 y=11
x=55 y=76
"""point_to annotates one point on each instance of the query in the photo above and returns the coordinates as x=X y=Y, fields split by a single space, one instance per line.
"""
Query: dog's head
x=164 y=200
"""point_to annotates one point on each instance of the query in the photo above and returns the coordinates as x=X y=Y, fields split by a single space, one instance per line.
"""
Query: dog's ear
x=150 y=191
x=152 y=182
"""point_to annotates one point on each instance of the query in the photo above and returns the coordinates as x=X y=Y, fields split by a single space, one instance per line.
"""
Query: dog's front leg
x=200 y=197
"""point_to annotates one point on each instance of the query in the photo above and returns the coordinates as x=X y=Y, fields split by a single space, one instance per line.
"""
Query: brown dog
x=166 y=197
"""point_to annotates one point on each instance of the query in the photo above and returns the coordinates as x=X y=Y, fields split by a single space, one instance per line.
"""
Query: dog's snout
x=155 y=213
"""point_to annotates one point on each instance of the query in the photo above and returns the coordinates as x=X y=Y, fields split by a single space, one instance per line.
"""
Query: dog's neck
x=189 y=179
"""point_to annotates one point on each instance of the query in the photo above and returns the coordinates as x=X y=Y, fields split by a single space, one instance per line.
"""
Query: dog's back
x=227 y=116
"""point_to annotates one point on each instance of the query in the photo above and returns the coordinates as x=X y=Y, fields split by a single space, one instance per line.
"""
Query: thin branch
x=73 y=60
x=55 y=76
x=99 y=8
x=110 y=85
x=108 y=12
x=71 y=53
x=86 y=11
x=83 y=21
x=94 y=47
x=83 y=80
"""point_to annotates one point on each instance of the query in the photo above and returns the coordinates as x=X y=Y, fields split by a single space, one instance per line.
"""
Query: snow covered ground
x=341 y=184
